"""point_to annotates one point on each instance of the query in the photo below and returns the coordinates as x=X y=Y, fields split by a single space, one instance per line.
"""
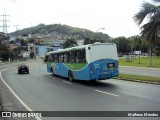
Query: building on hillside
x=80 y=42
x=47 y=41
x=26 y=55
x=59 y=42
x=40 y=51
x=11 y=46
x=23 y=55
x=12 y=38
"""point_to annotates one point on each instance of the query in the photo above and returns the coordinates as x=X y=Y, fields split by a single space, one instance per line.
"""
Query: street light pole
x=16 y=40
x=95 y=32
x=16 y=26
x=99 y=29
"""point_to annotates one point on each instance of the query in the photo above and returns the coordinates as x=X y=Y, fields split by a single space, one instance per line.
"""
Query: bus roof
x=78 y=47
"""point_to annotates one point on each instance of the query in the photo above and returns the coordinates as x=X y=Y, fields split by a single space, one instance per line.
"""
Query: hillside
x=64 y=30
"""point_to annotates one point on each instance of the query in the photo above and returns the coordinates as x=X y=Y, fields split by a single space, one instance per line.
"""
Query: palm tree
x=151 y=29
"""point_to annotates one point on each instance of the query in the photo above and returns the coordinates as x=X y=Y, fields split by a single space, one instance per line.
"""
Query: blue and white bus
x=97 y=61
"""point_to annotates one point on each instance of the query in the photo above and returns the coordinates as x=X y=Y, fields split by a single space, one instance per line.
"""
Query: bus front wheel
x=70 y=76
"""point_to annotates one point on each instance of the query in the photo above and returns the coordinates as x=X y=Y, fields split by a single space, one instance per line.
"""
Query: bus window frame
x=65 y=57
x=73 y=56
x=56 y=55
x=61 y=57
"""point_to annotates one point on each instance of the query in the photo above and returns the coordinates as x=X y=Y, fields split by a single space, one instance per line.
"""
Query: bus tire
x=70 y=76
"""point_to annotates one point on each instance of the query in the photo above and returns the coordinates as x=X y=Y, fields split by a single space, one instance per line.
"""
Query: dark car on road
x=23 y=68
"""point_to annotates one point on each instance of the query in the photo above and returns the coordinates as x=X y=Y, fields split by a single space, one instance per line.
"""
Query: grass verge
x=138 y=77
x=144 y=62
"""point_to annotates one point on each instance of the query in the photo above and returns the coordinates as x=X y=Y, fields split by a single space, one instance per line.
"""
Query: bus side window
x=69 y=60
x=66 y=57
x=61 y=57
x=46 y=58
x=52 y=57
x=72 y=57
x=83 y=56
x=56 y=57
x=77 y=56
x=49 y=58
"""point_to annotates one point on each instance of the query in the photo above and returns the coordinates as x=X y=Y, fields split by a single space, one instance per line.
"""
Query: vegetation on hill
x=80 y=33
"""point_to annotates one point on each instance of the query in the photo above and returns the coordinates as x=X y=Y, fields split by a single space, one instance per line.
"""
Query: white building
x=80 y=42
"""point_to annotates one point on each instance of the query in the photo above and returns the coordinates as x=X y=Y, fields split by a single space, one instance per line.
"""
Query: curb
x=141 y=81
x=1 y=111
x=1 y=107
x=143 y=68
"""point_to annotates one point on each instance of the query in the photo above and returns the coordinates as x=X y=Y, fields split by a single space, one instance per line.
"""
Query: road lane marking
x=67 y=82
x=20 y=100
x=107 y=93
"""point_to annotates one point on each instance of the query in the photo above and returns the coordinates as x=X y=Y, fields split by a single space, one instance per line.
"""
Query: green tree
x=70 y=42
x=12 y=42
x=100 y=37
x=132 y=44
x=23 y=42
x=89 y=41
x=4 y=52
x=12 y=55
x=144 y=45
x=139 y=43
x=122 y=45
x=97 y=37
x=31 y=40
x=32 y=54
x=151 y=29
x=15 y=52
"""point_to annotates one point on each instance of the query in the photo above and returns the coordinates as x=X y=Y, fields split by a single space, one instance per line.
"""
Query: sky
x=116 y=16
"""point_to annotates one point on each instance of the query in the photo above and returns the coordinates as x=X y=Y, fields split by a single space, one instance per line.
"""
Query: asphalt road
x=154 y=72
x=39 y=91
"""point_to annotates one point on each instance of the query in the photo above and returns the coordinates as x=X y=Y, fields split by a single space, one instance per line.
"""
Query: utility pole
x=16 y=26
x=4 y=22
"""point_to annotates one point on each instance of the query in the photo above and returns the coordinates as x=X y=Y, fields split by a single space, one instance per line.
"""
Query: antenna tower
x=4 y=22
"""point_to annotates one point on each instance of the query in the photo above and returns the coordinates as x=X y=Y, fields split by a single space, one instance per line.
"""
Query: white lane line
x=107 y=93
x=67 y=82
x=24 y=104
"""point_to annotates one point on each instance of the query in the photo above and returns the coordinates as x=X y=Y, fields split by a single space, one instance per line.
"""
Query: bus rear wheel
x=52 y=72
x=70 y=76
